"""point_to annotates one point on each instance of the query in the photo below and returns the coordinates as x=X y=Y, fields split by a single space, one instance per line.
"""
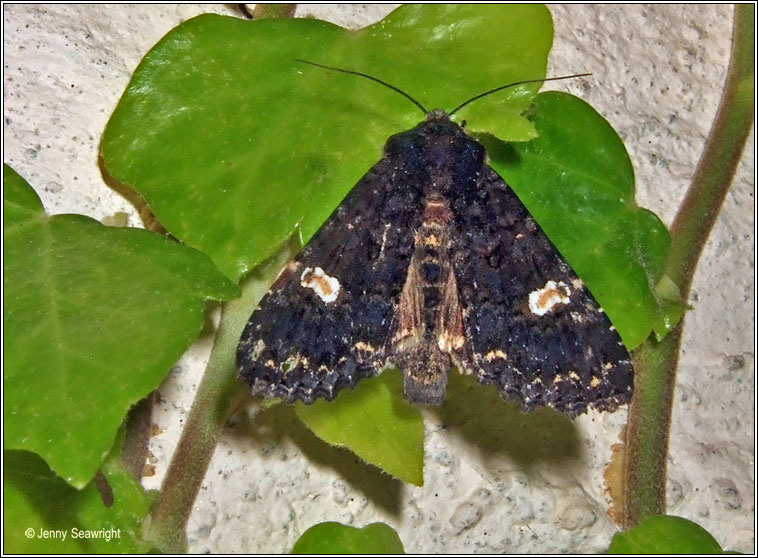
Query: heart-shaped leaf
x=94 y=318
x=233 y=143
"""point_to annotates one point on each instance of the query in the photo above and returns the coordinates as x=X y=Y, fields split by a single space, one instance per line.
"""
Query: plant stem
x=713 y=176
x=656 y=362
x=218 y=395
x=273 y=11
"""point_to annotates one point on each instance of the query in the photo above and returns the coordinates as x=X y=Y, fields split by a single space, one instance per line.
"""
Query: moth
x=430 y=262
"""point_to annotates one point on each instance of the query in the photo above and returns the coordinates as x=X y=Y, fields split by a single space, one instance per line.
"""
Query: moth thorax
x=436 y=211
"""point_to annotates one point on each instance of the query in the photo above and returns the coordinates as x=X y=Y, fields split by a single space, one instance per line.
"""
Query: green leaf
x=94 y=318
x=219 y=116
x=270 y=143
x=35 y=499
x=375 y=423
x=665 y=534
x=335 y=538
x=577 y=181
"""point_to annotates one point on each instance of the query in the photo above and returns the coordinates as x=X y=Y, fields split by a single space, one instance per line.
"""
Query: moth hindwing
x=432 y=261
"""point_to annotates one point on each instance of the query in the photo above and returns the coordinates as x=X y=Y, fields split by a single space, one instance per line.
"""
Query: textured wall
x=657 y=75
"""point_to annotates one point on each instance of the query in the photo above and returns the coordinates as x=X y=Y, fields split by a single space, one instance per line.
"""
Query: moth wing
x=534 y=329
x=326 y=321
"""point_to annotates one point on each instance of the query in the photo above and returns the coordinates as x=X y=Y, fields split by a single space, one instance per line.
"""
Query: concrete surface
x=657 y=72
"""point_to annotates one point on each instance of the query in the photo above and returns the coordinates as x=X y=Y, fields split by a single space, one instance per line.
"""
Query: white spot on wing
x=542 y=301
x=326 y=287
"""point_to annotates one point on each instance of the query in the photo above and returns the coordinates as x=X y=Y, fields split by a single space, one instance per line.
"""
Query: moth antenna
x=372 y=78
x=496 y=89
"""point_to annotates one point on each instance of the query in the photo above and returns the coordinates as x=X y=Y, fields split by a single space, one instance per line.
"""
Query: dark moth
x=432 y=261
